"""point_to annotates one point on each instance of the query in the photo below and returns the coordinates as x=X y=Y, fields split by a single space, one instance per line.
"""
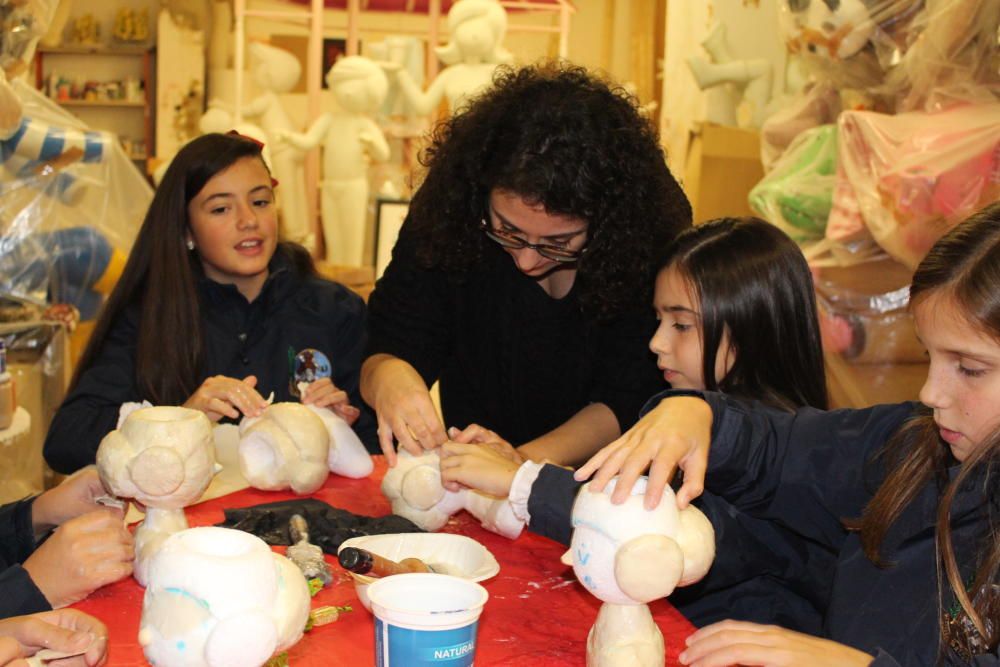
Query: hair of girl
x=753 y=283
x=161 y=275
x=964 y=267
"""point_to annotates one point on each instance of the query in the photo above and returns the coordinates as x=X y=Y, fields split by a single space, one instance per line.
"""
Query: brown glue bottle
x=361 y=561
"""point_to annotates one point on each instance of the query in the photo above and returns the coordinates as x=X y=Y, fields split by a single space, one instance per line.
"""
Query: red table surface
x=537 y=613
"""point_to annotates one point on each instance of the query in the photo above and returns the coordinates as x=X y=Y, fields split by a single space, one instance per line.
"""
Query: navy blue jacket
x=293 y=312
x=18 y=593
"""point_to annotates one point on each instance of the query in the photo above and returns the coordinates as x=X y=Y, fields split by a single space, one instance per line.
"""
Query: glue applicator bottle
x=361 y=561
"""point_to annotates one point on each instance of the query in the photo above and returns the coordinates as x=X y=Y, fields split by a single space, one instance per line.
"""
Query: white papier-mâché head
x=164 y=457
x=476 y=29
x=358 y=84
x=218 y=597
x=628 y=555
x=274 y=69
x=296 y=446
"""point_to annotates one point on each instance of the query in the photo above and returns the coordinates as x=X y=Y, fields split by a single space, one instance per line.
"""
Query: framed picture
x=389 y=217
x=333 y=49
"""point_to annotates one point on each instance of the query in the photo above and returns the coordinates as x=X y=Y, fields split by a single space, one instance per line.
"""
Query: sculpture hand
x=324 y=394
x=82 y=555
x=220 y=396
x=74 y=497
x=739 y=642
x=675 y=434
x=479 y=467
x=65 y=630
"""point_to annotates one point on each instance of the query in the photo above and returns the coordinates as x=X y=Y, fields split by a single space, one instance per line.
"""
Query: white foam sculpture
x=163 y=457
x=219 y=597
x=295 y=446
x=414 y=488
x=628 y=556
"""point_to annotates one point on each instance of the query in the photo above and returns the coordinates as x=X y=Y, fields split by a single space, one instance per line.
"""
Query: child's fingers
x=660 y=472
x=694 y=480
x=596 y=461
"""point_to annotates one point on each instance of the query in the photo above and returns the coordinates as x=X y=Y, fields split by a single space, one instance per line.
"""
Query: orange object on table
x=537 y=614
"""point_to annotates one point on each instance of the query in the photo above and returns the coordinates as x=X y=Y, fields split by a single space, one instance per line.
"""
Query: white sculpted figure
x=164 y=457
x=276 y=71
x=628 y=556
x=219 y=597
x=351 y=140
x=296 y=446
x=414 y=488
x=477 y=29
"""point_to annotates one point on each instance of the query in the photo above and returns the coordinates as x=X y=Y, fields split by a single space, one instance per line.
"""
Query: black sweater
x=292 y=313
x=508 y=356
x=18 y=593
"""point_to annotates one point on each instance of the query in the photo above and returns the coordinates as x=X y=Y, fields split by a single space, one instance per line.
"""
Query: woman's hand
x=674 y=434
x=75 y=496
x=220 y=396
x=324 y=394
x=481 y=467
x=82 y=555
x=64 y=630
x=741 y=643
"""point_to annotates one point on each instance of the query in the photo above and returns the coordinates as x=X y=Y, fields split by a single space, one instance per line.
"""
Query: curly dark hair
x=559 y=136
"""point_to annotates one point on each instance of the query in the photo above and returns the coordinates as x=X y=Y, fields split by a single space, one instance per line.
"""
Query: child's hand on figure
x=477 y=467
x=220 y=396
x=674 y=434
x=743 y=643
x=82 y=555
x=64 y=630
x=479 y=435
x=75 y=496
x=324 y=394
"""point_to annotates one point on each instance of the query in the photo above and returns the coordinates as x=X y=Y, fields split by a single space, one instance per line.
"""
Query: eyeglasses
x=553 y=252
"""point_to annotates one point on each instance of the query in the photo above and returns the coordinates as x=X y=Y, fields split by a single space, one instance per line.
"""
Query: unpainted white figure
x=164 y=457
x=628 y=556
x=351 y=140
x=476 y=29
x=752 y=80
x=219 y=597
x=414 y=488
x=276 y=71
x=296 y=446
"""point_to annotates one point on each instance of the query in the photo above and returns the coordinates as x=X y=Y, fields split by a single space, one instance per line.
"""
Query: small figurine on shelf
x=131 y=26
x=86 y=31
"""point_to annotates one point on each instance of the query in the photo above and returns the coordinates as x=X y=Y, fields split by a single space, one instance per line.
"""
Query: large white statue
x=276 y=71
x=414 y=488
x=164 y=457
x=476 y=28
x=351 y=140
x=296 y=446
x=219 y=597
x=628 y=556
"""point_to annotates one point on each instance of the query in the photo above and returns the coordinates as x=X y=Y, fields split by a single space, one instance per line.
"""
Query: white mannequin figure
x=296 y=446
x=219 y=597
x=477 y=28
x=276 y=71
x=164 y=457
x=414 y=488
x=754 y=77
x=628 y=556
x=351 y=140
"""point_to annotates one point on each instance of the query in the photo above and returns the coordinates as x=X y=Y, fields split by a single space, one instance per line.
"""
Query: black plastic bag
x=328 y=525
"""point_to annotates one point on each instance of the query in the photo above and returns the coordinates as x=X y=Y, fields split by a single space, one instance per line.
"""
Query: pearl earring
x=190 y=244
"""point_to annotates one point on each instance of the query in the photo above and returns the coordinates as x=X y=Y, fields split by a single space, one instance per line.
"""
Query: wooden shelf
x=96 y=50
x=99 y=103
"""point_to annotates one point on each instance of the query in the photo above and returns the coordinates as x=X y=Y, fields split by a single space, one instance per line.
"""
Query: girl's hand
x=674 y=434
x=220 y=396
x=479 y=435
x=82 y=555
x=738 y=642
x=478 y=467
x=65 y=630
x=324 y=394
x=74 y=497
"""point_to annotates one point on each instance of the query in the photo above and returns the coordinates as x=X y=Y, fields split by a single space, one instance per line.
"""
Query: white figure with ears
x=477 y=29
x=164 y=457
x=351 y=140
x=414 y=488
x=628 y=556
x=276 y=71
x=219 y=597
x=751 y=79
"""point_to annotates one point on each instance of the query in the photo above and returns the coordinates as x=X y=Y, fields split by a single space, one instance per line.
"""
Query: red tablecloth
x=537 y=614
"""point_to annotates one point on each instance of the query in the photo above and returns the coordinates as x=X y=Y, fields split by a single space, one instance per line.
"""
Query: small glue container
x=7 y=405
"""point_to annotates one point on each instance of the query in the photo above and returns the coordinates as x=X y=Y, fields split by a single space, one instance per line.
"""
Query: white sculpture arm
x=257 y=107
x=310 y=138
x=422 y=102
x=374 y=141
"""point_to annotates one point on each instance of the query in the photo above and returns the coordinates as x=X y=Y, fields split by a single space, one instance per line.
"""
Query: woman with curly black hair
x=522 y=277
